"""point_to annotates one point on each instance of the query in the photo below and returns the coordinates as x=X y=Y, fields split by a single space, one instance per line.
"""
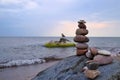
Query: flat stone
x=102 y=60
x=93 y=51
x=82 y=26
x=80 y=52
x=104 y=52
x=81 y=39
x=92 y=74
x=81 y=32
x=81 y=45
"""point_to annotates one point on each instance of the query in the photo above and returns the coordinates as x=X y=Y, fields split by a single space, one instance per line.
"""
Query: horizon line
x=57 y=36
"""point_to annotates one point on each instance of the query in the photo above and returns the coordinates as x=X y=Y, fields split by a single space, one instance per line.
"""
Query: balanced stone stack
x=102 y=57
x=81 y=39
x=99 y=57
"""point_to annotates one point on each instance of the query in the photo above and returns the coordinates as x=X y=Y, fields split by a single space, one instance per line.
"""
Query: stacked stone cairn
x=81 y=39
x=97 y=57
x=102 y=57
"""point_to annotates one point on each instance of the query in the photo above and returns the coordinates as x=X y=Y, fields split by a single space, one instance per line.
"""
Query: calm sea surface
x=30 y=50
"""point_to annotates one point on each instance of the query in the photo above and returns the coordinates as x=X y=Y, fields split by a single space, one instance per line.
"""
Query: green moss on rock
x=53 y=44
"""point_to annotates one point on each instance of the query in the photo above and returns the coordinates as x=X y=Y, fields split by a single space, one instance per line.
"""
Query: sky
x=53 y=17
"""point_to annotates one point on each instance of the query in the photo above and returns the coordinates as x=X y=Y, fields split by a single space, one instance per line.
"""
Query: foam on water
x=17 y=51
x=21 y=62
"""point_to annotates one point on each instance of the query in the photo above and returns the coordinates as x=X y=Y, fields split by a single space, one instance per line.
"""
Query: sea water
x=17 y=51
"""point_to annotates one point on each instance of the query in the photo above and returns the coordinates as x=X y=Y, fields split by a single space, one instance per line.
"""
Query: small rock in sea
x=104 y=52
x=93 y=51
x=102 y=60
x=89 y=55
x=92 y=74
x=93 y=66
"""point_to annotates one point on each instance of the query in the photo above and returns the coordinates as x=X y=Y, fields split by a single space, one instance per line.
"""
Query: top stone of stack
x=81 y=24
x=81 y=21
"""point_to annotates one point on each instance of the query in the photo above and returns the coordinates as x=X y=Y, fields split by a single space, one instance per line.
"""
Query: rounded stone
x=92 y=73
x=80 y=52
x=81 y=38
x=104 y=52
x=82 y=26
x=93 y=66
x=82 y=21
x=93 y=51
x=81 y=32
x=81 y=45
x=89 y=55
x=102 y=60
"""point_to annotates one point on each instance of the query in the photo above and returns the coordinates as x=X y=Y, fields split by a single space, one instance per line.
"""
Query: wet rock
x=70 y=69
x=93 y=51
x=81 y=45
x=81 y=32
x=102 y=60
x=104 y=52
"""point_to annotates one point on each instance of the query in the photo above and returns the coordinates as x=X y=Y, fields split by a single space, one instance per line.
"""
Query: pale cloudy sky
x=53 y=17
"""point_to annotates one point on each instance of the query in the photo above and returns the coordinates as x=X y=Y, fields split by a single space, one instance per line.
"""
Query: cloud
x=54 y=6
x=17 y=5
x=104 y=28
x=44 y=6
x=9 y=10
x=102 y=24
x=31 y=5
x=7 y=2
x=66 y=27
x=69 y=27
x=97 y=25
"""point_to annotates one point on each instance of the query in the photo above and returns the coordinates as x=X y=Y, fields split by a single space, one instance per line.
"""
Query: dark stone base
x=71 y=69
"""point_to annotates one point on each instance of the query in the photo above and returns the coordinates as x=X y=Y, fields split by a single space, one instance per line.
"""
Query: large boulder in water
x=71 y=69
